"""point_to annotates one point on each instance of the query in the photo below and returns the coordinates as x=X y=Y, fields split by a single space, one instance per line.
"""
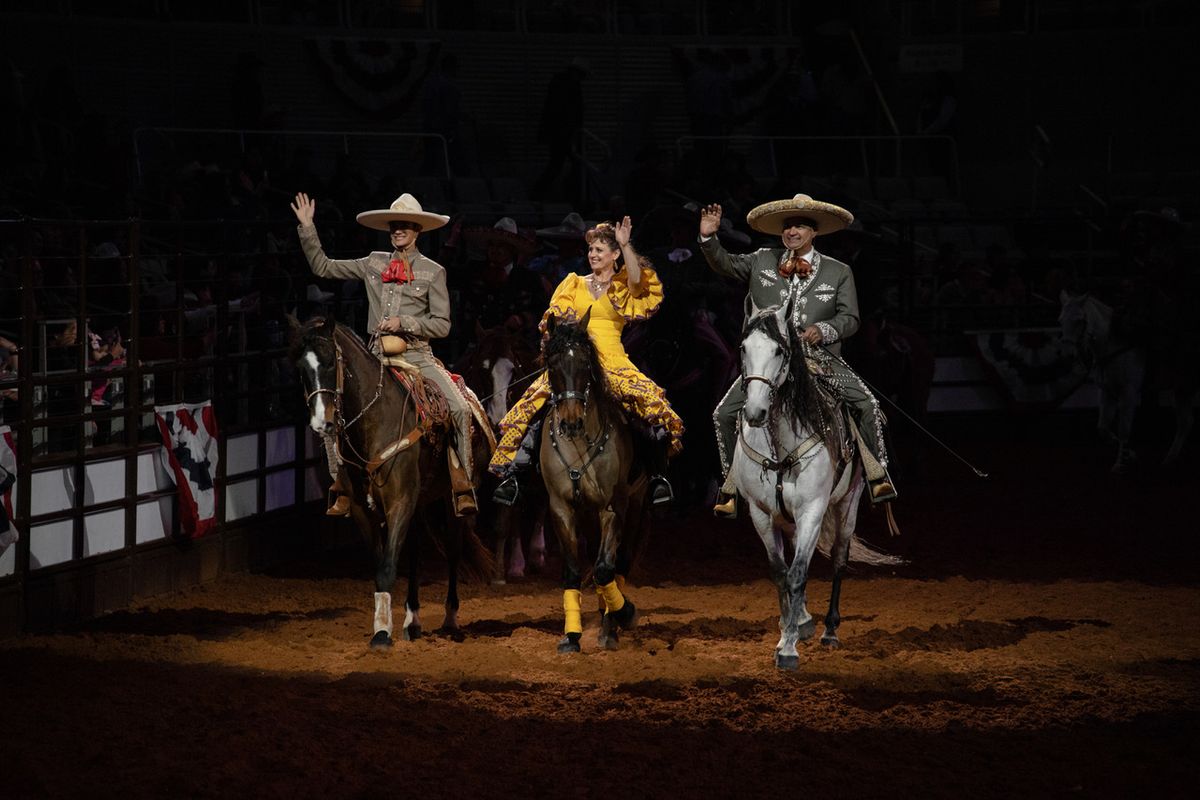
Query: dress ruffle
x=640 y=304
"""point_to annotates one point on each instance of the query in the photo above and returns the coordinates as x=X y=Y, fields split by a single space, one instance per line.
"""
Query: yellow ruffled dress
x=637 y=394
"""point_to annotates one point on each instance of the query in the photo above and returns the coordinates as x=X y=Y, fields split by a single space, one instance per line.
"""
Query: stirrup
x=507 y=493
x=464 y=504
x=726 y=507
x=657 y=484
x=340 y=507
x=882 y=490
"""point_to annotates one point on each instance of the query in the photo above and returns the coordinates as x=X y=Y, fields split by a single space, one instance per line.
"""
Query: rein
x=370 y=465
x=594 y=448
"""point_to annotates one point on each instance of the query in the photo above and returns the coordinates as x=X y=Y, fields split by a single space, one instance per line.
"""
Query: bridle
x=370 y=465
x=594 y=447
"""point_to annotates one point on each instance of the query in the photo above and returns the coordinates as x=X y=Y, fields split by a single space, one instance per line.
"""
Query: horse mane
x=800 y=393
x=567 y=335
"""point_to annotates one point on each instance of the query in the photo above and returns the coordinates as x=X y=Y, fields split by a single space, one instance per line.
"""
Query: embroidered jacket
x=826 y=298
x=422 y=304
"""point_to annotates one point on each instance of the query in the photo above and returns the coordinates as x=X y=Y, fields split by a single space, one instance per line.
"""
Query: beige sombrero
x=505 y=232
x=769 y=217
x=404 y=209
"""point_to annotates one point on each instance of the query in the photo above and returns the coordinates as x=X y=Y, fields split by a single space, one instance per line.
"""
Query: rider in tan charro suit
x=406 y=296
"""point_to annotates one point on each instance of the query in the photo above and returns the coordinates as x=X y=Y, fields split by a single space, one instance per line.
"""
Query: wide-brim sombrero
x=769 y=217
x=504 y=232
x=404 y=209
x=572 y=227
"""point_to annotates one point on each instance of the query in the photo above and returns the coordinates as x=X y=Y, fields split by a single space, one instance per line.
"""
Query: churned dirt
x=1043 y=642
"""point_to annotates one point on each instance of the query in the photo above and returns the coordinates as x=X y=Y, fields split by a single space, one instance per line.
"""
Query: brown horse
x=499 y=368
x=393 y=467
x=586 y=458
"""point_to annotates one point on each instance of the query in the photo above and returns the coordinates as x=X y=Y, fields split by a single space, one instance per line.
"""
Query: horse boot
x=339 y=498
x=461 y=486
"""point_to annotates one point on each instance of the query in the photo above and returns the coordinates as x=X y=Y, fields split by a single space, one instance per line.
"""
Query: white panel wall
x=103 y=532
x=50 y=544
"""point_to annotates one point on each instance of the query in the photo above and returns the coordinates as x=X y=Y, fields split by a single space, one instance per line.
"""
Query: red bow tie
x=795 y=266
x=397 y=272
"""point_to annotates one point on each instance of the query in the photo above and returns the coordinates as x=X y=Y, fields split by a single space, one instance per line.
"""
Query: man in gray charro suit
x=824 y=311
x=406 y=297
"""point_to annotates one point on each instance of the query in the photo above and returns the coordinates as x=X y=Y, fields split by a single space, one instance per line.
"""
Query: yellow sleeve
x=562 y=302
x=640 y=304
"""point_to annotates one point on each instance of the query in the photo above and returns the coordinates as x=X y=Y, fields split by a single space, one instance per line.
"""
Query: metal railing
x=241 y=135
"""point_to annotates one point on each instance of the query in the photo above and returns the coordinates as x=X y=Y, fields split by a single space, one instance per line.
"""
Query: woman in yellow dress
x=621 y=288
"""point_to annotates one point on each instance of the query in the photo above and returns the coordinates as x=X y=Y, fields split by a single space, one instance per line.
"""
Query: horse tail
x=477 y=562
x=863 y=553
x=860 y=551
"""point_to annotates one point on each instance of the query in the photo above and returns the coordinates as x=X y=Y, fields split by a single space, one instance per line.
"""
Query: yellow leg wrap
x=613 y=599
x=574 y=619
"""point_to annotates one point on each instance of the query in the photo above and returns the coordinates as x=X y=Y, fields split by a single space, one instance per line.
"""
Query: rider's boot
x=882 y=489
x=509 y=490
x=726 y=507
x=660 y=487
x=461 y=487
x=339 y=498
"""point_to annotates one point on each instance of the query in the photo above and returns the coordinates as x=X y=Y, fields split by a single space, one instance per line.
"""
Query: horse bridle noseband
x=594 y=449
x=370 y=465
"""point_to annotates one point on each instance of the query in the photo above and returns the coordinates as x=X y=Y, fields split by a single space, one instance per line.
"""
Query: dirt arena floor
x=1042 y=642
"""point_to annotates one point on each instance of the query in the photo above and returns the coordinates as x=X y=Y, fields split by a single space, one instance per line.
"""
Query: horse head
x=315 y=355
x=573 y=369
x=491 y=367
x=766 y=354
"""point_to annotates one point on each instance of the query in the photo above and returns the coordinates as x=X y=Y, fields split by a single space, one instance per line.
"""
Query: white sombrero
x=404 y=209
x=769 y=217
x=572 y=227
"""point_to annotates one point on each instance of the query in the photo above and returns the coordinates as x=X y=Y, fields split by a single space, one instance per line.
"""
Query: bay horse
x=394 y=471
x=801 y=482
x=586 y=456
x=499 y=368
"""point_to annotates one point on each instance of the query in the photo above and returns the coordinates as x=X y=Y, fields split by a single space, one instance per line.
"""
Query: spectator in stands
x=566 y=240
x=500 y=291
x=562 y=119
x=8 y=371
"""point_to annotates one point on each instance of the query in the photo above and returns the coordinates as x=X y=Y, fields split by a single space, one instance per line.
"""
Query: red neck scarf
x=397 y=272
x=795 y=265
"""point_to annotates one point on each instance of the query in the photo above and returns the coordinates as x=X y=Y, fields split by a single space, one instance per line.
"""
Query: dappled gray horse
x=801 y=483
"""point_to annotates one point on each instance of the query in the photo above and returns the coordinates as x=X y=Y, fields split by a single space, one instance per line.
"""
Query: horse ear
x=295 y=329
x=748 y=307
x=587 y=315
x=328 y=326
x=781 y=317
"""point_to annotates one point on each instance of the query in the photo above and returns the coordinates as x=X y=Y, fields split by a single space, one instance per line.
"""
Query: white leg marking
x=383 y=612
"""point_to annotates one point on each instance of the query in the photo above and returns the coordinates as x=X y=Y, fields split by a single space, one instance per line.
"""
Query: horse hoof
x=789 y=663
x=627 y=618
x=381 y=641
x=806 y=631
x=608 y=639
x=569 y=643
x=831 y=641
x=412 y=632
